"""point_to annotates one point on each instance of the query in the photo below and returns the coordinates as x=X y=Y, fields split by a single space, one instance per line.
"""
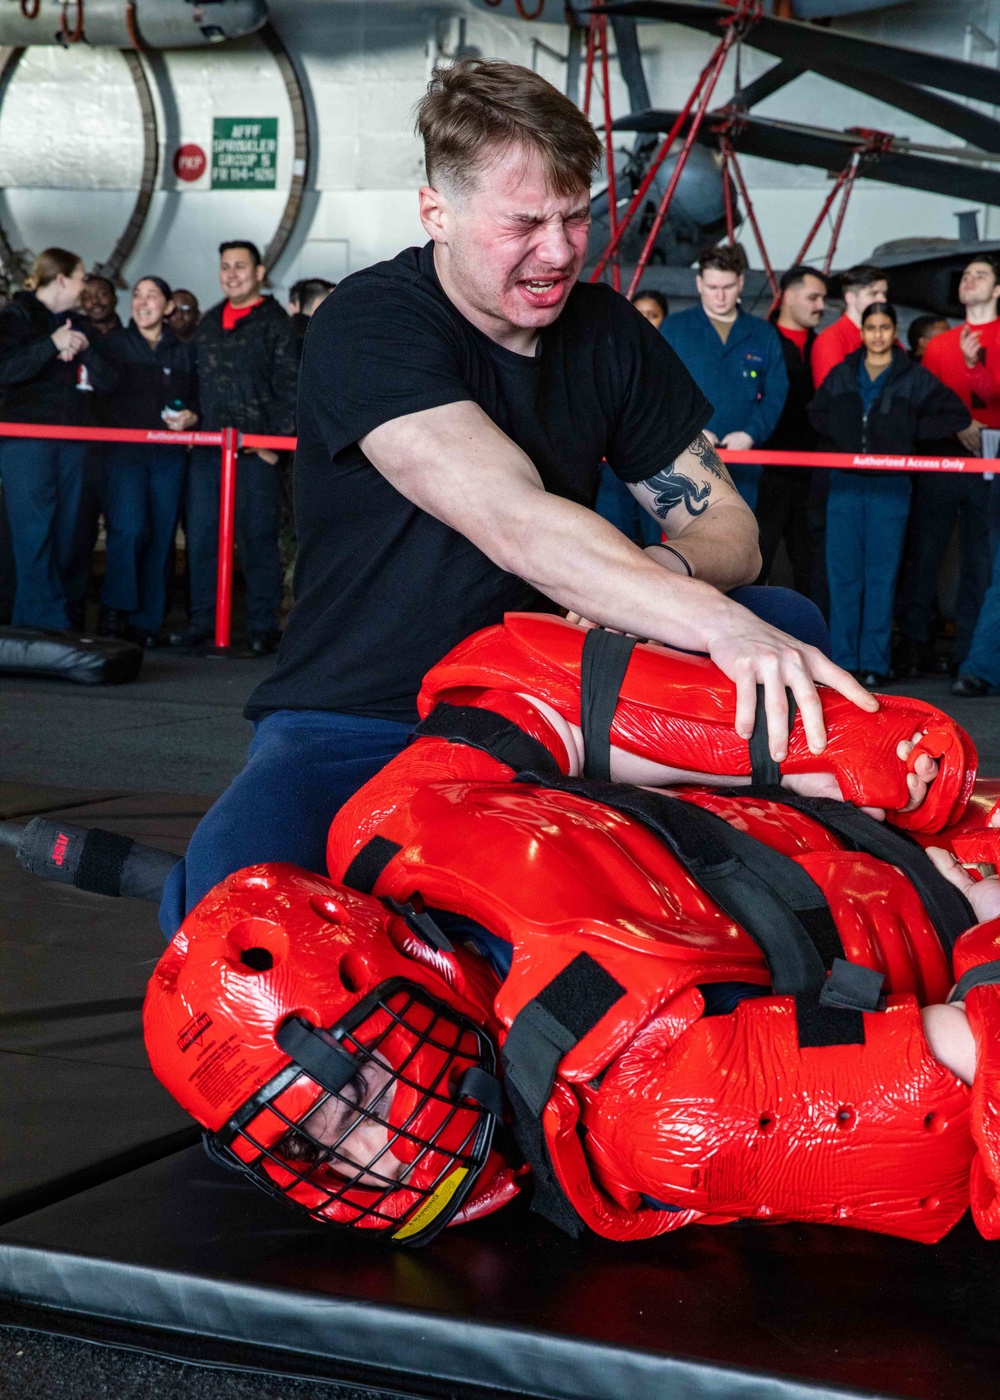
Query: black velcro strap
x=821 y=1026
x=364 y=870
x=765 y=772
x=852 y=986
x=541 y=1034
x=553 y=1022
x=102 y=861
x=769 y=895
x=602 y=670
x=422 y=925
x=946 y=907
x=501 y=738
x=484 y=1089
x=981 y=976
x=322 y=1057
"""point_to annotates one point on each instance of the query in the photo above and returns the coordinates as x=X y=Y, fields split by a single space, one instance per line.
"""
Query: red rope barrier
x=862 y=461
x=230 y=442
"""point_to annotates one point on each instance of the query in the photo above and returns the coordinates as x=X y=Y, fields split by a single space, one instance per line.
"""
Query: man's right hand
x=752 y=653
x=69 y=341
x=971 y=345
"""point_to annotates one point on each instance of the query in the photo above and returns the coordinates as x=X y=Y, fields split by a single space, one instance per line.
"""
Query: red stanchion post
x=227 y=532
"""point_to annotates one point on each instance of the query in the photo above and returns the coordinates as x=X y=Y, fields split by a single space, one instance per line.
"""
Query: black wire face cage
x=401 y=1061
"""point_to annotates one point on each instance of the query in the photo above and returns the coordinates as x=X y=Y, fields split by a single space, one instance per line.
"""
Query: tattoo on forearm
x=709 y=458
x=670 y=488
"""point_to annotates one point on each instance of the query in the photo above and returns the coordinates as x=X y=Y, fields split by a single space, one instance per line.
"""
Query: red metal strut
x=731 y=164
x=745 y=13
x=875 y=143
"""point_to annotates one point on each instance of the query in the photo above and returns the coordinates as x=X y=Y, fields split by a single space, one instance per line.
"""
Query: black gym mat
x=510 y=1305
x=78 y=1103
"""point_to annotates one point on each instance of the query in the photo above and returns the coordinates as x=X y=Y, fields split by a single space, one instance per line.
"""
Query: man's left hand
x=266 y=454
x=737 y=442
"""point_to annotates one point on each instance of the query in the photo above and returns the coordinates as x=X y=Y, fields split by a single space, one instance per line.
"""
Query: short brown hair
x=728 y=257
x=477 y=108
x=864 y=275
x=50 y=264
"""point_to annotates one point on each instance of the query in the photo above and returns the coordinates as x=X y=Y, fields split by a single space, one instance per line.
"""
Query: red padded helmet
x=335 y=1056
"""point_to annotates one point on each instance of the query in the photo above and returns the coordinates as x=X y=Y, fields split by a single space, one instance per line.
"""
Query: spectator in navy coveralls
x=735 y=359
x=48 y=371
x=157 y=387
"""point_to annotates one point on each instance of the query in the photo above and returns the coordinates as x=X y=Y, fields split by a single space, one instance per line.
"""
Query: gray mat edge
x=387 y=1339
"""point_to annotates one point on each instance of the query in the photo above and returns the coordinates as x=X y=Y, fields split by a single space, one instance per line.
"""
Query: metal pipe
x=827 y=205
x=113 y=264
x=588 y=80
x=302 y=150
x=609 y=148
x=727 y=198
x=748 y=204
x=848 y=187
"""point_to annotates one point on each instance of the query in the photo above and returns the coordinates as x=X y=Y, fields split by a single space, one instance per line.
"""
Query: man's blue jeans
x=303 y=765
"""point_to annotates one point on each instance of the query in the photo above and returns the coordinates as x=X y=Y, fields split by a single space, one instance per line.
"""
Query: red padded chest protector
x=638 y=1112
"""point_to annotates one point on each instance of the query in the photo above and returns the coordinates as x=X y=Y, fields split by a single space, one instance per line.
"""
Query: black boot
x=111 y=623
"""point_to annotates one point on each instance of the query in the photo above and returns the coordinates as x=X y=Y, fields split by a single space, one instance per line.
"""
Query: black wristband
x=678 y=555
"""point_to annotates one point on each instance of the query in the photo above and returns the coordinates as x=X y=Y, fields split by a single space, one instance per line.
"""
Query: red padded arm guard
x=734 y=1120
x=977 y=954
x=680 y=710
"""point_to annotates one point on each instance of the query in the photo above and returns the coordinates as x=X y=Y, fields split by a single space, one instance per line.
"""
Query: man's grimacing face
x=514 y=246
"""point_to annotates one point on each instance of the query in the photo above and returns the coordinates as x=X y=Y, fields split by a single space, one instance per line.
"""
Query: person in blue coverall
x=735 y=359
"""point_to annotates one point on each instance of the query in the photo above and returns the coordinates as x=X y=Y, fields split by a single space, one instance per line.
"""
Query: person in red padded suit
x=725 y=1000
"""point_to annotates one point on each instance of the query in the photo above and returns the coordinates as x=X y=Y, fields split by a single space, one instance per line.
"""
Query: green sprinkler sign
x=244 y=153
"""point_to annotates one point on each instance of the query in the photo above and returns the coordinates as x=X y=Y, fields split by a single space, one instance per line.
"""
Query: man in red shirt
x=248 y=366
x=967 y=359
x=861 y=286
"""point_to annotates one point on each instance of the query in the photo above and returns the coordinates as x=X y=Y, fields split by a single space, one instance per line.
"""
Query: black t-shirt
x=383 y=590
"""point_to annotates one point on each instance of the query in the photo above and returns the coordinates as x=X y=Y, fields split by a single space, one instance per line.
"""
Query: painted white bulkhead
x=71 y=140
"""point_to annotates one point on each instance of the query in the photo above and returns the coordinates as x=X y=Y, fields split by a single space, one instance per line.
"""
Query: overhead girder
x=808 y=46
x=828 y=150
x=965 y=122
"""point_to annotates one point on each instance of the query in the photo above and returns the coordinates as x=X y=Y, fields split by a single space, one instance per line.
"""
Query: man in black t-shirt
x=455 y=406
